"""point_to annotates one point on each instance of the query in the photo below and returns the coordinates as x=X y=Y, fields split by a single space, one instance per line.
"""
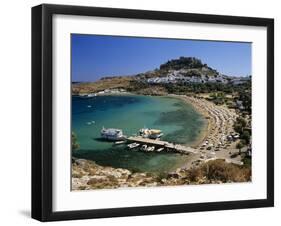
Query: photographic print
x=130 y=106
x=159 y=112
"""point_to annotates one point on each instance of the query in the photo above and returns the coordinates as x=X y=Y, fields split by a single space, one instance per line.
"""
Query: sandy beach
x=213 y=143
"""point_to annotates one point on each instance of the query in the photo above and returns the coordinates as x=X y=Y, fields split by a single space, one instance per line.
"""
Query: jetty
x=163 y=144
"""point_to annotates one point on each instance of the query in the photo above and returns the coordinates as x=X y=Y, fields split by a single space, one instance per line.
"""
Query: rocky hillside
x=185 y=70
x=183 y=63
x=88 y=175
x=185 y=66
x=102 y=84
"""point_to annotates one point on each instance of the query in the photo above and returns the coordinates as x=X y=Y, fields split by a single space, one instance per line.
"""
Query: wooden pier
x=164 y=144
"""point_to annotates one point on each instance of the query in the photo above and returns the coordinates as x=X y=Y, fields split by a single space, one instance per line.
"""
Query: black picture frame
x=42 y=197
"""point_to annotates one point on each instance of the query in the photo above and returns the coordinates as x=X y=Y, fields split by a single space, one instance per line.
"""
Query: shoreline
x=206 y=128
x=220 y=121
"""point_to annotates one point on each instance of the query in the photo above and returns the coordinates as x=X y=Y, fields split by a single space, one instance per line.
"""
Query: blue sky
x=96 y=56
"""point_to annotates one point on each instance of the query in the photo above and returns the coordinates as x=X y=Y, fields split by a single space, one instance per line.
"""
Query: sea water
x=178 y=120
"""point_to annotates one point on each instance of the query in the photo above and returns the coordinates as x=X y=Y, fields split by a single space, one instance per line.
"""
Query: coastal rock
x=88 y=175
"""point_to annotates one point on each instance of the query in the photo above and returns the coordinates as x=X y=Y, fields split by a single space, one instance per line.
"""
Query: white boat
x=120 y=142
x=150 y=148
x=112 y=134
x=160 y=149
x=133 y=145
x=150 y=133
x=143 y=147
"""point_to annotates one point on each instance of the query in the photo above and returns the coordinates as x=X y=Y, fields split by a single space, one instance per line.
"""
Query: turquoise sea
x=179 y=122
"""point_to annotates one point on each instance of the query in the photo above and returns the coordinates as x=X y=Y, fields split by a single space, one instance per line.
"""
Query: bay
x=178 y=120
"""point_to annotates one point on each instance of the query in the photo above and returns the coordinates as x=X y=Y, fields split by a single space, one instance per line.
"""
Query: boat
x=150 y=148
x=112 y=134
x=133 y=145
x=143 y=147
x=120 y=142
x=160 y=149
x=150 y=133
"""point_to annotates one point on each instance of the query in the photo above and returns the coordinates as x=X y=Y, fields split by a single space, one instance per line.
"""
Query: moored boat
x=120 y=142
x=112 y=134
x=151 y=148
x=143 y=147
x=150 y=133
x=160 y=149
x=133 y=145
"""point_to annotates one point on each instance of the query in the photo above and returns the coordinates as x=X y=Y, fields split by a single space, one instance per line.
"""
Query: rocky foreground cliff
x=87 y=175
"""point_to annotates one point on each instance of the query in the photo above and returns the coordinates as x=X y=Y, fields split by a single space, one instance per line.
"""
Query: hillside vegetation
x=102 y=84
x=87 y=174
